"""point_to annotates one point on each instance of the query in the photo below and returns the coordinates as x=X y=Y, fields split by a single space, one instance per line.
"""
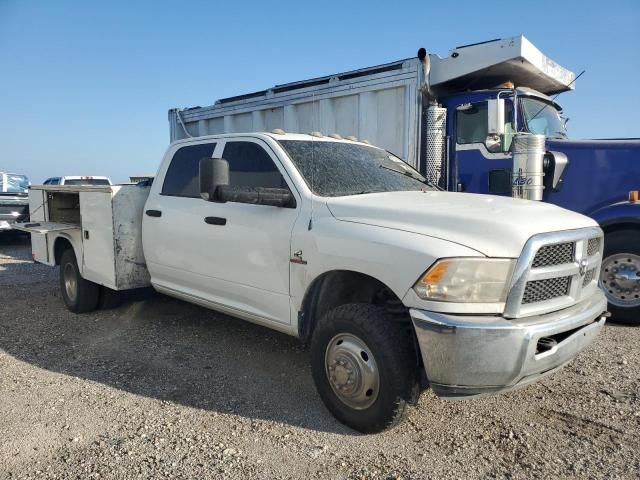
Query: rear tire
x=620 y=275
x=364 y=366
x=79 y=295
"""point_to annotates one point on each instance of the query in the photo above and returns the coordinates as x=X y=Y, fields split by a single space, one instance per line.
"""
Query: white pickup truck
x=390 y=280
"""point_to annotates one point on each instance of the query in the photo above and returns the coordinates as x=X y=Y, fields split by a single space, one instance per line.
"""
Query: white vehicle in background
x=77 y=180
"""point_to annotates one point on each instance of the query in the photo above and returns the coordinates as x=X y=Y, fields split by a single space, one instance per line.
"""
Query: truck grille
x=554 y=255
x=541 y=290
x=589 y=277
x=594 y=246
x=555 y=271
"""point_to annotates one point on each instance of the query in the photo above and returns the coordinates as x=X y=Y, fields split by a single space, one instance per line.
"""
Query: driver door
x=479 y=170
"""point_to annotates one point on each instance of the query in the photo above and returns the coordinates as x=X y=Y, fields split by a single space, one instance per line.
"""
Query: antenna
x=547 y=104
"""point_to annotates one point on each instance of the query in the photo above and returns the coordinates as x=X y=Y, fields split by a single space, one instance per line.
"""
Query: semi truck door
x=479 y=171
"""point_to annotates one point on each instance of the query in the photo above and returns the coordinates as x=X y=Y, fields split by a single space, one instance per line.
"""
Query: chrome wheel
x=620 y=279
x=70 y=282
x=352 y=371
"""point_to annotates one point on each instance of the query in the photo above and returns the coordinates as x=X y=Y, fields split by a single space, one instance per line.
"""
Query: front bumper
x=467 y=356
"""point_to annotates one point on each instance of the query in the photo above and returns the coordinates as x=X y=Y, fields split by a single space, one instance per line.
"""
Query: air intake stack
x=528 y=166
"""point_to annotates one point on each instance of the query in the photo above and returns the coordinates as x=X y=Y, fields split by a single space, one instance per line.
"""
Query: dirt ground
x=158 y=388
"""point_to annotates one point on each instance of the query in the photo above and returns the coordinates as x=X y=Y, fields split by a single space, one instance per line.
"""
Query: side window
x=251 y=166
x=181 y=179
x=471 y=124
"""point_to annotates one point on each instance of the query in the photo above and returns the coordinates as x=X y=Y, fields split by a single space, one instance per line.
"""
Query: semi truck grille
x=550 y=255
x=541 y=290
x=555 y=271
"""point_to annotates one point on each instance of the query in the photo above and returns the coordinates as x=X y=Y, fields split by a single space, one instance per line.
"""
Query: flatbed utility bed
x=102 y=223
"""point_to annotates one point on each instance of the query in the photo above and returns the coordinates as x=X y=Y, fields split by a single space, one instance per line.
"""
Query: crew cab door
x=478 y=170
x=233 y=256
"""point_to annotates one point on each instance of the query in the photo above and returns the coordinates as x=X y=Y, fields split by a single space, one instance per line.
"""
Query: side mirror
x=274 y=197
x=495 y=117
x=493 y=143
x=214 y=172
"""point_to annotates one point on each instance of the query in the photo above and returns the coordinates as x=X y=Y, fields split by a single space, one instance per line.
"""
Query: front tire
x=620 y=275
x=364 y=366
x=79 y=295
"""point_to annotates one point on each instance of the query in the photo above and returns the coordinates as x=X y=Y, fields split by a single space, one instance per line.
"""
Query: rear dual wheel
x=79 y=295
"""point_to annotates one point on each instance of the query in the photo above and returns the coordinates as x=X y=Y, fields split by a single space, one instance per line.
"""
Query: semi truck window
x=472 y=124
x=181 y=179
x=251 y=166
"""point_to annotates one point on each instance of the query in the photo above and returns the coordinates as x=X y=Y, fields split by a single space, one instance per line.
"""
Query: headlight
x=466 y=280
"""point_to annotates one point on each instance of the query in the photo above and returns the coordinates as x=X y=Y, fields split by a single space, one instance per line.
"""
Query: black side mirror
x=274 y=197
x=214 y=172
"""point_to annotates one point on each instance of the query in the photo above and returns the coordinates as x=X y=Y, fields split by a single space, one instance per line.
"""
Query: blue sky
x=85 y=85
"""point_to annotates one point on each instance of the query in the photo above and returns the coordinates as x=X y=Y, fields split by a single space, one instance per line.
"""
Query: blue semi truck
x=484 y=119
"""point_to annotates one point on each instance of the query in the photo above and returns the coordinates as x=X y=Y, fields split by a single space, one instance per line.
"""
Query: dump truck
x=455 y=119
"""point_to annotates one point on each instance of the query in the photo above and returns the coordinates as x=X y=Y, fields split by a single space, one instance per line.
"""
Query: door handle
x=154 y=213
x=215 y=220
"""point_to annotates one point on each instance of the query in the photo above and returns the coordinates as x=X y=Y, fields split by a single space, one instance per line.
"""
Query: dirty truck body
x=453 y=119
x=389 y=279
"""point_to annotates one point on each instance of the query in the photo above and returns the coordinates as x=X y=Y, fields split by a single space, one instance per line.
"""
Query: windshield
x=11 y=183
x=543 y=118
x=87 y=181
x=334 y=169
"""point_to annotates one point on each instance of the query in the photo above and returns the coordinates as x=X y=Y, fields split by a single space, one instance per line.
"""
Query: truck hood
x=494 y=226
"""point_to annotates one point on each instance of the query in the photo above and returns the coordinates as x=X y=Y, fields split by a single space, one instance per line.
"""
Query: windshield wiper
x=407 y=173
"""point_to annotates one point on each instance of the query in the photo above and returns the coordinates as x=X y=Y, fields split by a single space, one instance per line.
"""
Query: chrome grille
x=557 y=254
x=555 y=270
x=541 y=290
x=593 y=247
x=588 y=277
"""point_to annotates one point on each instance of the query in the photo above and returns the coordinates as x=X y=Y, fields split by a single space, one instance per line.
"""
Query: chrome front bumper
x=467 y=356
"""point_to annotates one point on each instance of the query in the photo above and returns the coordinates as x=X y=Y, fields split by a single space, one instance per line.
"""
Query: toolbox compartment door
x=42 y=233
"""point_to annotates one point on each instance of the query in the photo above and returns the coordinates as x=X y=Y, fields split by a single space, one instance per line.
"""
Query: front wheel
x=620 y=275
x=79 y=295
x=364 y=366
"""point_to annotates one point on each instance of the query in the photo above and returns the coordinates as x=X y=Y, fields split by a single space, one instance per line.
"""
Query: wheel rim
x=70 y=282
x=620 y=279
x=352 y=371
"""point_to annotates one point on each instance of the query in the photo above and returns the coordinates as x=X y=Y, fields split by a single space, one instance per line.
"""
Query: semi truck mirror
x=214 y=172
x=493 y=143
x=495 y=116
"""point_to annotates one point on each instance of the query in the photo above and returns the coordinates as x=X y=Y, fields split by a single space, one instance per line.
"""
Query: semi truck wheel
x=364 y=366
x=79 y=295
x=620 y=275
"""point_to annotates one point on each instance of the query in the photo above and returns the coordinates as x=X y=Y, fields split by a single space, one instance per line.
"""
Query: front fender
x=395 y=258
x=625 y=212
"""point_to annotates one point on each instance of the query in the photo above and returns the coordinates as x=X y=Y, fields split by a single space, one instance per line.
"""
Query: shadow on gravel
x=161 y=348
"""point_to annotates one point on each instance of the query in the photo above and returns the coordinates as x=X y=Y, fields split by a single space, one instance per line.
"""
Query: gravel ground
x=160 y=388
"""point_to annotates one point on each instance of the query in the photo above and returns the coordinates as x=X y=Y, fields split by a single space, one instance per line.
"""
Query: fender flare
x=618 y=216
